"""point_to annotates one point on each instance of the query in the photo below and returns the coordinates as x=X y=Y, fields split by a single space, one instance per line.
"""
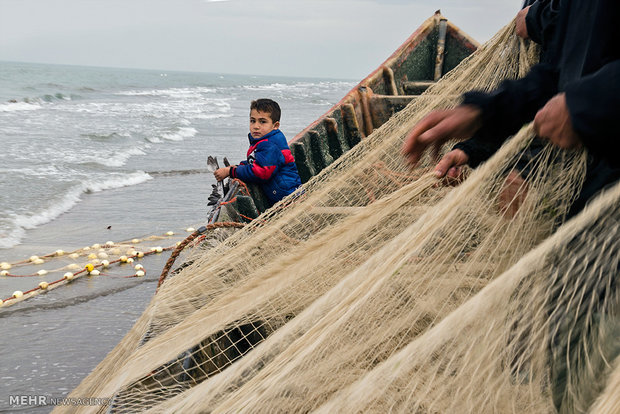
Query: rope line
x=189 y=239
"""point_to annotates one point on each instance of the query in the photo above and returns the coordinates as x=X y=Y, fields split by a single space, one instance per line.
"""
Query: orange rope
x=188 y=240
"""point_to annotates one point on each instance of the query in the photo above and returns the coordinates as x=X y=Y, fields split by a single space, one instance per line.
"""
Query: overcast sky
x=322 y=38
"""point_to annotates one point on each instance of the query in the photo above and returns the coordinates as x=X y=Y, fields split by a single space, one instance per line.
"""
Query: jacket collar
x=253 y=140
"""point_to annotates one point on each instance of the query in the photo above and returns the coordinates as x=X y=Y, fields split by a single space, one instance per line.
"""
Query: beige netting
x=380 y=289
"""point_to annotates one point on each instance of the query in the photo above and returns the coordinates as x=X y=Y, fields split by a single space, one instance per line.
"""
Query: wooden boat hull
x=434 y=49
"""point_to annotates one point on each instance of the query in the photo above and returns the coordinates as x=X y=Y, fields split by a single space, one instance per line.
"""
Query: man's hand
x=521 y=26
x=450 y=165
x=438 y=127
x=221 y=173
x=512 y=194
x=553 y=122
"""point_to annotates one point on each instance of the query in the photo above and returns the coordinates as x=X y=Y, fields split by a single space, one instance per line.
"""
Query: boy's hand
x=221 y=173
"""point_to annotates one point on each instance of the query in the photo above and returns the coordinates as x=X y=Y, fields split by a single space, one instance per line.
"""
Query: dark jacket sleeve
x=477 y=150
x=514 y=103
x=541 y=20
x=594 y=105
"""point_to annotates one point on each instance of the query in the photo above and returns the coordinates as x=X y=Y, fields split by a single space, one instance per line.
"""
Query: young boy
x=270 y=162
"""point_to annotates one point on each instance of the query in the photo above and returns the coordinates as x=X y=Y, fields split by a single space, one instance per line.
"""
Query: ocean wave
x=172 y=92
x=116 y=158
x=16 y=224
x=299 y=86
x=40 y=171
x=182 y=133
x=212 y=116
x=19 y=106
x=55 y=97
x=104 y=137
x=11 y=237
x=118 y=182
x=120 y=158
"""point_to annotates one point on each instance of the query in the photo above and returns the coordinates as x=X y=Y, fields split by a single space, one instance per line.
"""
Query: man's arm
x=541 y=20
x=594 y=106
x=514 y=103
x=492 y=117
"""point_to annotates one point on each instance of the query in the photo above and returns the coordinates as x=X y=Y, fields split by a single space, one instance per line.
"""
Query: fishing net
x=379 y=288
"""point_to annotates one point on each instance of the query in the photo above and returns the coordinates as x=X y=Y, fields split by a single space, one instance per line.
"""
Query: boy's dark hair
x=269 y=106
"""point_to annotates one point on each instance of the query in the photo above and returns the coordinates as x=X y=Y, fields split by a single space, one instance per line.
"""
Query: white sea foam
x=173 y=92
x=119 y=158
x=118 y=182
x=182 y=133
x=12 y=237
x=18 y=223
x=212 y=116
x=19 y=106
x=39 y=171
x=108 y=157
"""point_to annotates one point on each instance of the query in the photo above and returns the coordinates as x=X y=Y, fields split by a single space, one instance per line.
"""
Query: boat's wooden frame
x=435 y=48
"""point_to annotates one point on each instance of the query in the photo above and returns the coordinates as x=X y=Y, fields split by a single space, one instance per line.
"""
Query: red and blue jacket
x=271 y=165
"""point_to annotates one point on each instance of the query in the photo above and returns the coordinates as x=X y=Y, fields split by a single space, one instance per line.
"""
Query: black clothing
x=541 y=21
x=583 y=61
x=587 y=55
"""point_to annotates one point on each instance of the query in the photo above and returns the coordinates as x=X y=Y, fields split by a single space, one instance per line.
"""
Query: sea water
x=89 y=155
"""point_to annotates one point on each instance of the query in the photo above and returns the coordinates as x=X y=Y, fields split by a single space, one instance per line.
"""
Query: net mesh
x=378 y=288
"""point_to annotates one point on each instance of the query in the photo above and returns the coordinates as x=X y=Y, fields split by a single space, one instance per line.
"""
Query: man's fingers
x=418 y=139
x=450 y=164
x=454 y=172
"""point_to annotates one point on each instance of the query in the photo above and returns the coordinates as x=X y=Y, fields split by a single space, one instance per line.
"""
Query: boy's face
x=261 y=123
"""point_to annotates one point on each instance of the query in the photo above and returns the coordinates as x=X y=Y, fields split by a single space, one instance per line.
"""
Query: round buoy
x=139 y=273
x=94 y=272
x=86 y=248
x=139 y=267
x=134 y=241
x=60 y=252
x=33 y=258
x=190 y=229
x=131 y=252
x=140 y=254
x=4 y=273
x=102 y=255
x=74 y=255
x=42 y=272
x=109 y=243
x=170 y=233
x=123 y=259
x=96 y=246
x=159 y=249
x=39 y=261
x=115 y=250
x=92 y=256
x=68 y=276
x=105 y=263
x=18 y=294
x=129 y=260
x=73 y=266
x=89 y=267
x=43 y=285
x=5 y=266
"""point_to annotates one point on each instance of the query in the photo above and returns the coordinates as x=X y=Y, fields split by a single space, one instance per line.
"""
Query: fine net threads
x=379 y=289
